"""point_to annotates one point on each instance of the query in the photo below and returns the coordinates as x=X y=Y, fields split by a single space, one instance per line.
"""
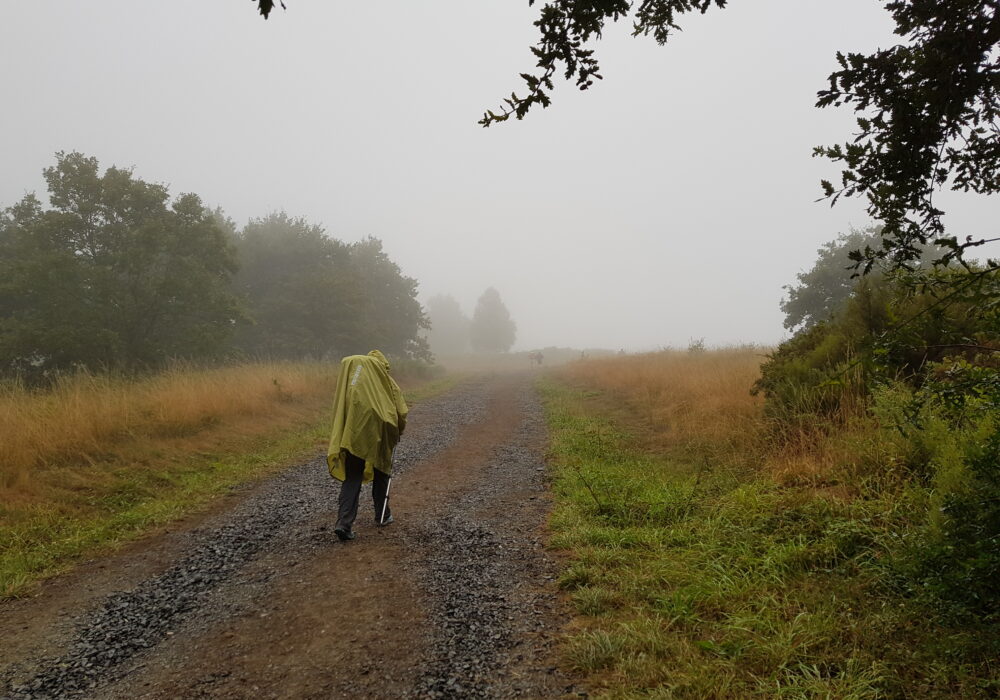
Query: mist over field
x=671 y=201
x=642 y=414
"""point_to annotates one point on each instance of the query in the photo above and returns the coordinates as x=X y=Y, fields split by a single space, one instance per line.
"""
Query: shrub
x=949 y=431
x=922 y=361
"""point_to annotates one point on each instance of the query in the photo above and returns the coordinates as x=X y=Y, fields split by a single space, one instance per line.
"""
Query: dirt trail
x=455 y=599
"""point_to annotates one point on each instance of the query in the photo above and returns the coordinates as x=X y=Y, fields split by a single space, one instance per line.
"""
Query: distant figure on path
x=536 y=357
x=369 y=415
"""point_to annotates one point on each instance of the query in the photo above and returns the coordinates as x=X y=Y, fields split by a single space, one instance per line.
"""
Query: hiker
x=369 y=415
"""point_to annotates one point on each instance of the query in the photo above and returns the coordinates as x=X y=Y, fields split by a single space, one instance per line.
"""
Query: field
x=98 y=460
x=712 y=556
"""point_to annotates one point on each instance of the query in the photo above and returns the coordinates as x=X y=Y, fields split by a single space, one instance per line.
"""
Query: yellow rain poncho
x=368 y=415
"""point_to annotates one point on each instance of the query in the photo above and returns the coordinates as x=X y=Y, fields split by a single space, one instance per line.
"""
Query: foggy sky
x=670 y=202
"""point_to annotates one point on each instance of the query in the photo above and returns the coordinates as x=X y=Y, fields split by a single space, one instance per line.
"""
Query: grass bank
x=709 y=557
x=97 y=461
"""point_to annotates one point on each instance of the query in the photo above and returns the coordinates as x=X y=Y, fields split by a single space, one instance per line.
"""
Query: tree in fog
x=308 y=294
x=825 y=288
x=449 y=333
x=388 y=315
x=301 y=292
x=112 y=275
x=492 y=328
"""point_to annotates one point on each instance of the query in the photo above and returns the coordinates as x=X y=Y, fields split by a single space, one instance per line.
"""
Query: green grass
x=693 y=581
x=39 y=542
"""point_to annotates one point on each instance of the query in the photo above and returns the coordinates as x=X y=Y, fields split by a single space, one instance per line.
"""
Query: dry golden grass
x=84 y=417
x=678 y=399
x=96 y=461
x=683 y=397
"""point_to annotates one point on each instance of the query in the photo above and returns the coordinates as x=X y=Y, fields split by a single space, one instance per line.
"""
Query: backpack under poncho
x=369 y=415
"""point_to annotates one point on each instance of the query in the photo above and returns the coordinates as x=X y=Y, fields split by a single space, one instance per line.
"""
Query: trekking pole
x=385 y=503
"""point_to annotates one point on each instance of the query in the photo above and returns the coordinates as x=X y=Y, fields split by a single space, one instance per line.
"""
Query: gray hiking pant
x=350 y=490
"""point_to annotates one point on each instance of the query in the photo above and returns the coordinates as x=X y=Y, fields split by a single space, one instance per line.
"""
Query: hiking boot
x=386 y=521
x=343 y=534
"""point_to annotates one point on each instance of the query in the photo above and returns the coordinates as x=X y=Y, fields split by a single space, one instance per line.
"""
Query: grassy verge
x=81 y=500
x=701 y=567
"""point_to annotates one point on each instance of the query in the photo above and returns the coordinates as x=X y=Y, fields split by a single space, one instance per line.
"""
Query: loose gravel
x=478 y=559
x=112 y=637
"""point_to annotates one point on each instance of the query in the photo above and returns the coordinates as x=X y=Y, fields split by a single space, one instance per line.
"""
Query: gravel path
x=483 y=563
x=478 y=581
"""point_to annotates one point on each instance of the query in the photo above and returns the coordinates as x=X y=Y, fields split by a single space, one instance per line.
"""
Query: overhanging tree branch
x=265 y=6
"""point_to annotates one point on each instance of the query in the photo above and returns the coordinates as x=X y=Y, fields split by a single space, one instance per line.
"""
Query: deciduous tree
x=824 y=289
x=389 y=317
x=300 y=289
x=112 y=275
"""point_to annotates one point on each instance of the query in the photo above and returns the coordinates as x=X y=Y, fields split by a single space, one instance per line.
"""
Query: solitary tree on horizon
x=492 y=330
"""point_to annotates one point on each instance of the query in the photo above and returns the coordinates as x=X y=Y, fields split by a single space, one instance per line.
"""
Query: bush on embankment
x=916 y=356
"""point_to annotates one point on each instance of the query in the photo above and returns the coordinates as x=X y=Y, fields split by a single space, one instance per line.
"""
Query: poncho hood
x=377 y=354
x=369 y=415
